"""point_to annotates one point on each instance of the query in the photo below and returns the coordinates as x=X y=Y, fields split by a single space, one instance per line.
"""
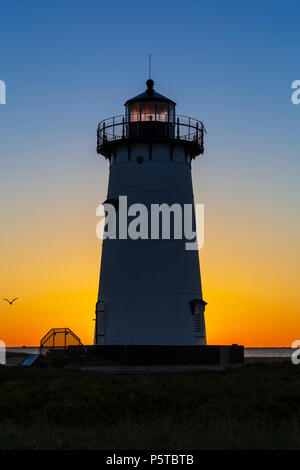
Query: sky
x=69 y=64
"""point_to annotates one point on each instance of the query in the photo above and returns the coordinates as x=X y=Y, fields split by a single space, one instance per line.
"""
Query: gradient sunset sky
x=68 y=65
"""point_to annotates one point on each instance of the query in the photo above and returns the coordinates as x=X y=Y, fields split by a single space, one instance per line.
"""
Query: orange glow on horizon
x=250 y=280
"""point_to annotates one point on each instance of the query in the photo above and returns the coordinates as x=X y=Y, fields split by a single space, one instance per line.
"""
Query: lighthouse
x=150 y=285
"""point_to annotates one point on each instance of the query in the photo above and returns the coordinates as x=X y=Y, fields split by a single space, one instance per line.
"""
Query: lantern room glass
x=135 y=112
x=162 y=112
x=171 y=113
x=148 y=111
x=151 y=111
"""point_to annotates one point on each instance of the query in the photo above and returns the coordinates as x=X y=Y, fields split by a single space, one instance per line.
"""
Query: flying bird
x=11 y=301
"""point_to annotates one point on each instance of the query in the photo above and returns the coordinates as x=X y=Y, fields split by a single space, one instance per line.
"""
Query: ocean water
x=25 y=350
x=268 y=352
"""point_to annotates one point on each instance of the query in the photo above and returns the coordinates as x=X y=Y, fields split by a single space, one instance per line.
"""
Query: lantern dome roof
x=149 y=95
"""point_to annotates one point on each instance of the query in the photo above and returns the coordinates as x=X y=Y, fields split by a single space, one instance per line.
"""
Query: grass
x=255 y=407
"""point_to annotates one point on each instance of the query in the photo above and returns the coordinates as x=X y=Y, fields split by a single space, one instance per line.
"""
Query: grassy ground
x=255 y=407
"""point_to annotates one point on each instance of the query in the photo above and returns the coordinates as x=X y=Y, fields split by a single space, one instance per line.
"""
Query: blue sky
x=69 y=64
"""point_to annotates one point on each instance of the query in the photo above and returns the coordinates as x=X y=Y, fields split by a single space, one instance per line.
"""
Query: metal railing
x=59 y=338
x=182 y=128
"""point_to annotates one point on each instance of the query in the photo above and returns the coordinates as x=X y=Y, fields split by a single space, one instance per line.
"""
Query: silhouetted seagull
x=11 y=301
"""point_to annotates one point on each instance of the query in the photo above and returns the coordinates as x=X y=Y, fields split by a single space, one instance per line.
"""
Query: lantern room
x=150 y=115
x=150 y=106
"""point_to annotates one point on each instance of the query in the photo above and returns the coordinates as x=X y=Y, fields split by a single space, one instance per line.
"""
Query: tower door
x=100 y=323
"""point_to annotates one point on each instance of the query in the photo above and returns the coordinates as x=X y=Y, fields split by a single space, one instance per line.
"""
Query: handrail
x=47 y=336
x=74 y=336
x=181 y=128
x=53 y=332
x=171 y=122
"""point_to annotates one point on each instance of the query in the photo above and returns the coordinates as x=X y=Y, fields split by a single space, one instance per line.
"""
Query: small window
x=198 y=308
x=100 y=323
x=198 y=323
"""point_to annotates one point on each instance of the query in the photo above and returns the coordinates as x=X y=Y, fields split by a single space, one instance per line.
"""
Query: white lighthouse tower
x=150 y=287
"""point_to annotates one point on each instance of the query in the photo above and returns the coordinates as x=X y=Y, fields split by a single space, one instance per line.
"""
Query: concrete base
x=128 y=355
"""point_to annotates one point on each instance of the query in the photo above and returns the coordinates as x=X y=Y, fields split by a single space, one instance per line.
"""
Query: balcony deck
x=183 y=130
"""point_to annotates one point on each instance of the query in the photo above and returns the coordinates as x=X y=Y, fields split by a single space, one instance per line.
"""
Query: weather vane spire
x=149 y=66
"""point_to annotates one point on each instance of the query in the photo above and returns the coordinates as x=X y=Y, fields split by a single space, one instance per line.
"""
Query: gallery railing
x=117 y=128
